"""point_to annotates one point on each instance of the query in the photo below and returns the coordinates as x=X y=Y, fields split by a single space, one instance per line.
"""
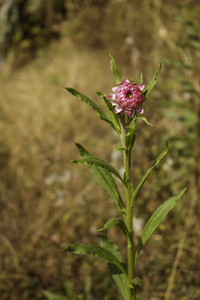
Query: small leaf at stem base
x=135 y=282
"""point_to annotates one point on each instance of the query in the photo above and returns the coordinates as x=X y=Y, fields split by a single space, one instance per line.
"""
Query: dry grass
x=42 y=193
x=47 y=203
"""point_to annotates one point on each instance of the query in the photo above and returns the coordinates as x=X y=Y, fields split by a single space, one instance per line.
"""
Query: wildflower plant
x=125 y=106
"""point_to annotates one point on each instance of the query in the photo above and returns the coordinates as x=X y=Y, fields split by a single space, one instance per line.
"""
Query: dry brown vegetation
x=47 y=203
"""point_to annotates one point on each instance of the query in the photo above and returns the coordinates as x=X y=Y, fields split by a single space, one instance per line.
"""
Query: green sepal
x=116 y=222
x=120 y=278
x=104 y=178
x=134 y=81
x=158 y=159
x=151 y=83
x=114 y=70
x=156 y=219
x=100 y=113
x=141 y=81
x=98 y=251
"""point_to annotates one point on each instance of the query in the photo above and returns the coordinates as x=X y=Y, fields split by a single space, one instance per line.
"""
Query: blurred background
x=46 y=202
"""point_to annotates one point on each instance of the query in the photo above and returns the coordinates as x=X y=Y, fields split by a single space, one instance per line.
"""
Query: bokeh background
x=46 y=202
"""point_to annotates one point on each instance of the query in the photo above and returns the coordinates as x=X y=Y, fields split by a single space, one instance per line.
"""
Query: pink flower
x=127 y=98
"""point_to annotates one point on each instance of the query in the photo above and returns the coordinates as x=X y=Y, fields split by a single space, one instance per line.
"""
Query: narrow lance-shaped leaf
x=99 y=163
x=104 y=178
x=151 y=83
x=100 y=113
x=110 y=111
x=98 y=251
x=130 y=138
x=148 y=172
x=120 y=278
x=133 y=122
x=116 y=222
x=131 y=135
x=156 y=219
x=114 y=70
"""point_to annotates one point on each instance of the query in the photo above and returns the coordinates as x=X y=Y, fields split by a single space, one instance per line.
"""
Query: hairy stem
x=129 y=216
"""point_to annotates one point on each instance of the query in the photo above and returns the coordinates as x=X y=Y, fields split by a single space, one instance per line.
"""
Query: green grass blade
x=104 y=178
x=52 y=296
x=148 y=172
x=156 y=219
x=114 y=70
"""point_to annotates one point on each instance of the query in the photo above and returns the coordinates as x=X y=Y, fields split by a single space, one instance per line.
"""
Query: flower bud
x=127 y=98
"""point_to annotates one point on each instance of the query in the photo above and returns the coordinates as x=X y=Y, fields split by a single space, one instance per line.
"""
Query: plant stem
x=129 y=217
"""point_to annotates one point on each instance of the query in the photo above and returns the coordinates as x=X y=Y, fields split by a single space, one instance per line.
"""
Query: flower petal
x=124 y=81
x=114 y=103
x=111 y=96
x=140 y=110
x=141 y=86
x=132 y=114
x=128 y=112
x=114 y=89
x=117 y=109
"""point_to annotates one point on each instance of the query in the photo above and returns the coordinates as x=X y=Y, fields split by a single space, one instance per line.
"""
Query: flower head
x=127 y=98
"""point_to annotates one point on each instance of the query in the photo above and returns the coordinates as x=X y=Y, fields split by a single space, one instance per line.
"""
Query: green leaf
x=114 y=70
x=120 y=278
x=130 y=138
x=156 y=219
x=146 y=121
x=121 y=149
x=104 y=178
x=99 y=163
x=116 y=222
x=133 y=122
x=135 y=282
x=113 y=116
x=100 y=113
x=131 y=135
x=148 y=172
x=98 y=251
x=151 y=83
x=109 y=245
